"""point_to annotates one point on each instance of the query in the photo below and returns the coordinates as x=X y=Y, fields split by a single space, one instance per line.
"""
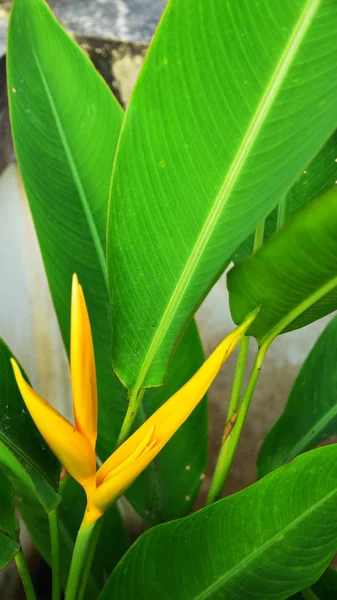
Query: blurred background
x=115 y=34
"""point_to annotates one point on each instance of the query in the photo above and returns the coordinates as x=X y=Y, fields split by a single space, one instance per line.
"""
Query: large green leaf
x=9 y=527
x=316 y=179
x=264 y=543
x=293 y=277
x=233 y=101
x=310 y=415
x=112 y=542
x=168 y=487
x=66 y=124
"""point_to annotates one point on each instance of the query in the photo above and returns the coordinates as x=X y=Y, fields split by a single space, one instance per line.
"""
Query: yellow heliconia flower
x=75 y=445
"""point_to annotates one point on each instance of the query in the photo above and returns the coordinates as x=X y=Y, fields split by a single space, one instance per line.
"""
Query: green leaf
x=310 y=415
x=293 y=277
x=65 y=123
x=316 y=179
x=111 y=545
x=220 y=125
x=9 y=527
x=167 y=489
x=265 y=543
x=25 y=456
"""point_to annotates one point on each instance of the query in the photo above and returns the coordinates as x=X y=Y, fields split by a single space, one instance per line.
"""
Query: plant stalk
x=229 y=445
x=238 y=377
x=55 y=554
x=89 y=558
x=79 y=557
x=135 y=401
x=25 y=576
x=308 y=594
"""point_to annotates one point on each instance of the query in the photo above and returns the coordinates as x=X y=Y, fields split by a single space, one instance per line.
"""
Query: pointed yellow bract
x=72 y=449
x=82 y=365
x=75 y=446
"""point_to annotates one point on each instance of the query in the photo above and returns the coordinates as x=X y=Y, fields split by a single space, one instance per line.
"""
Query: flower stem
x=78 y=560
x=308 y=594
x=229 y=445
x=89 y=558
x=55 y=554
x=136 y=397
x=25 y=576
x=281 y=212
x=238 y=378
x=259 y=236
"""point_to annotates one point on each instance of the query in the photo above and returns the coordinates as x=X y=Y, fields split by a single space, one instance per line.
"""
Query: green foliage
x=293 y=276
x=316 y=179
x=75 y=135
x=65 y=142
x=310 y=415
x=234 y=101
x=9 y=527
x=219 y=126
x=264 y=543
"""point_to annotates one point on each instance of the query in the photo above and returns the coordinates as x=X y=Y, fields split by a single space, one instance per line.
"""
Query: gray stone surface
x=132 y=20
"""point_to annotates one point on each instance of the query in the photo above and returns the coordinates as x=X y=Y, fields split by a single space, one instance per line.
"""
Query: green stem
x=281 y=212
x=308 y=594
x=229 y=446
x=25 y=576
x=89 y=558
x=136 y=397
x=55 y=554
x=78 y=560
x=259 y=236
x=238 y=377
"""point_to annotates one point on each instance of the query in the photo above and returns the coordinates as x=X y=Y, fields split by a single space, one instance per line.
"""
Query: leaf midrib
x=254 y=128
x=252 y=557
x=74 y=171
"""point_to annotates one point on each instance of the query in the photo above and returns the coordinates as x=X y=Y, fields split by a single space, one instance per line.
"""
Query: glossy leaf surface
x=310 y=415
x=233 y=101
x=9 y=527
x=293 y=277
x=272 y=539
x=66 y=124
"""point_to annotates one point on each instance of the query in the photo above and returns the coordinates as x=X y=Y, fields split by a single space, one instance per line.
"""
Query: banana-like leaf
x=310 y=415
x=293 y=277
x=66 y=124
x=233 y=101
x=316 y=179
x=9 y=527
x=267 y=542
